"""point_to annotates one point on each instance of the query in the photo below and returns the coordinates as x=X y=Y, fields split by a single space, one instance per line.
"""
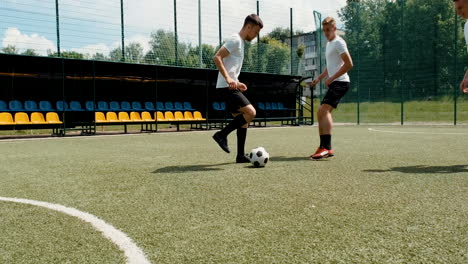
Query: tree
x=10 y=49
x=30 y=52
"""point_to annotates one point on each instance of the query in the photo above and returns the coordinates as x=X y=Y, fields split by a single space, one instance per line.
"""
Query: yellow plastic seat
x=53 y=118
x=123 y=117
x=146 y=117
x=22 y=119
x=160 y=117
x=198 y=116
x=188 y=116
x=38 y=118
x=179 y=116
x=100 y=117
x=135 y=117
x=6 y=119
x=112 y=117
x=169 y=116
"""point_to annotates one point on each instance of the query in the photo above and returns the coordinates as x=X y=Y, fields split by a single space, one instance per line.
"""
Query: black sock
x=236 y=123
x=325 y=141
x=241 y=136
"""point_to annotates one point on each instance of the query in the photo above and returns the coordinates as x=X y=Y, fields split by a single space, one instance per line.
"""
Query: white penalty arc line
x=404 y=132
x=133 y=253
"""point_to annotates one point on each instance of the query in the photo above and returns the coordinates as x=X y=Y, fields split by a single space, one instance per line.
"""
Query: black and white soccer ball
x=259 y=157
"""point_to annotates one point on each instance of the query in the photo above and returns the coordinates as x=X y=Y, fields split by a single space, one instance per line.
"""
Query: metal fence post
x=57 y=18
x=122 y=29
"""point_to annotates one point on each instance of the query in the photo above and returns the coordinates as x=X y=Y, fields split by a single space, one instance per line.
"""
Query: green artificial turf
x=384 y=197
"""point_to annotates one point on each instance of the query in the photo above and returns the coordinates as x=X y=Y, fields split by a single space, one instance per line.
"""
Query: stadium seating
x=188 y=116
x=53 y=118
x=114 y=106
x=198 y=116
x=3 y=106
x=89 y=106
x=102 y=106
x=6 y=119
x=150 y=106
x=146 y=117
x=160 y=117
x=178 y=106
x=76 y=106
x=169 y=116
x=135 y=117
x=112 y=117
x=123 y=117
x=16 y=106
x=31 y=106
x=22 y=118
x=160 y=106
x=178 y=116
x=169 y=106
x=45 y=106
x=38 y=118
x=62 y=106
x=126 y=106
x=188 y=106
x=100 y=117
x=137 y=106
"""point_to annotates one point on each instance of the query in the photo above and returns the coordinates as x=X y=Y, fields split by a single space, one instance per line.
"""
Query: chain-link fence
x=409 y=59
x=183 y=33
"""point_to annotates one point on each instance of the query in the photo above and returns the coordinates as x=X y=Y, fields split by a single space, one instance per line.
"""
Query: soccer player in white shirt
x=228 y=60
x=461 y=6
x=339 y=62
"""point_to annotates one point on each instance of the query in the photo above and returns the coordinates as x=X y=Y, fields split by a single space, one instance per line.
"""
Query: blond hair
x=329 y=21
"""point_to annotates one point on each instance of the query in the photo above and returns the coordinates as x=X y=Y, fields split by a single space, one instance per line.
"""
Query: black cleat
x=222 y=142
x=242 y=159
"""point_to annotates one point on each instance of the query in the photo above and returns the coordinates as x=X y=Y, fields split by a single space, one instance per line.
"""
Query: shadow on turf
x=282 y=158
x=190 y=168
x=426 y=169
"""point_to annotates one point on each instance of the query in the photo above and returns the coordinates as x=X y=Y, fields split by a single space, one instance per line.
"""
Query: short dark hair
x=253 y=19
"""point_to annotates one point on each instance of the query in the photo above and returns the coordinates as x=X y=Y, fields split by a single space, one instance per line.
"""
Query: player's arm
x=347 y=66
x=218 y=60
x=321 y=77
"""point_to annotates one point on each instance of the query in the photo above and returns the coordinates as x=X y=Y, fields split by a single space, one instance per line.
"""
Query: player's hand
x=328 y=82
x=314 y=82
x=232 y=84
x=242 y=87
x=464 y=86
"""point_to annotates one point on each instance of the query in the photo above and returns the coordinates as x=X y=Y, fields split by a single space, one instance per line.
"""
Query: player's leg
x=249 y=113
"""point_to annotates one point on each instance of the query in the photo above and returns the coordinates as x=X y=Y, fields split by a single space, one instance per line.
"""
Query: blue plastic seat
x=102 y=106
x=3 y=106
x=16 y=106
x=178 y=106
x=150 y=106
x=114 y=106
x=261 y=106
x=62 y=106
x=267 y=106
x=222 y=105
x=169 y=106
x=126 y=106
x=137 y=106
x=160 y=106
x=31 y=106
x=216 y=106
x=274 y=106
x=188 y=106
x=89 y=106
x=76 y=106
x=46 y=106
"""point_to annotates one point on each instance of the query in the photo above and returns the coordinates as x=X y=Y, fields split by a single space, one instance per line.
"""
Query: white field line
x=408 y=132
x=133 y=253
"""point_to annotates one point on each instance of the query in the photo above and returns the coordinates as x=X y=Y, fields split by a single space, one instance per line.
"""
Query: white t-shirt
x=333 y=51
x=233 y=63
x=466 y=34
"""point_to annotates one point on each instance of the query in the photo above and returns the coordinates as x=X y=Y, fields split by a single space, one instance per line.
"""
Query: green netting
x=409 y=58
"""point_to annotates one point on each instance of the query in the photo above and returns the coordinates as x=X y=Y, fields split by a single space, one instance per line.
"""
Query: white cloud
x=40 y=44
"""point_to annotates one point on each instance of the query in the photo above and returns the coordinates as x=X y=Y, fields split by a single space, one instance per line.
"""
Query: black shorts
x=335 y=92
x=235 y=99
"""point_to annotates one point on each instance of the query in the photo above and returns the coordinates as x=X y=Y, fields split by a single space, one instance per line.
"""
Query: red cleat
x=322 y=153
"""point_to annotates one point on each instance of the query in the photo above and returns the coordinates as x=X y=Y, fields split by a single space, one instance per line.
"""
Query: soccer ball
x=259 y=157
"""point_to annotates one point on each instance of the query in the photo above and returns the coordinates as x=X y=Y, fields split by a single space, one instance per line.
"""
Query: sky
x=91 y=26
